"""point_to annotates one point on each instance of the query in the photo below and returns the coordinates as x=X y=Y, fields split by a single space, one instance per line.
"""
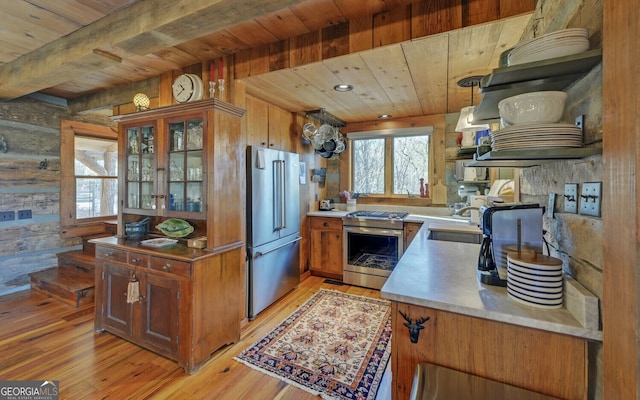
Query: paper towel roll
x=477 y=201
x=470 y=174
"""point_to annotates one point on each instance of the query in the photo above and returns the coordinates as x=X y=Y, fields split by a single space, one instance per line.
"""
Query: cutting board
x=438 y=192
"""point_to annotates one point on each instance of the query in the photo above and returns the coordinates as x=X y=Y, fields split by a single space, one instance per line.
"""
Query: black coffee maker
x=507 y=228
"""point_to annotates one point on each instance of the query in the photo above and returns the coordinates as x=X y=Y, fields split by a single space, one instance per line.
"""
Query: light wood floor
x=41 y=338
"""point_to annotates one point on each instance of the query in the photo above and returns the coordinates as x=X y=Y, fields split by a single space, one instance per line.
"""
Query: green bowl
x=174 y=227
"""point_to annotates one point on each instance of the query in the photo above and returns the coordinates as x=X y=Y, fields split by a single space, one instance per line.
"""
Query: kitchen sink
x=454 y=232
x=449 y=236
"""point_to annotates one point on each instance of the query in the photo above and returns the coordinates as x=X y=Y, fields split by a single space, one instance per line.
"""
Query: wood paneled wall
x=398 y=24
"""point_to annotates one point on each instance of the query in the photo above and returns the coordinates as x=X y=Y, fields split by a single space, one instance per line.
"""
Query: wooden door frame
x=69 y=225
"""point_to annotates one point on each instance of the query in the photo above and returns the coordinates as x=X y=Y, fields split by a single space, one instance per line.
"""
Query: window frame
x=70 y=225
x=388 y=197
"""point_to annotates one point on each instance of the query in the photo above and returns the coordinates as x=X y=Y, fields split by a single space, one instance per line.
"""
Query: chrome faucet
x=464 y=210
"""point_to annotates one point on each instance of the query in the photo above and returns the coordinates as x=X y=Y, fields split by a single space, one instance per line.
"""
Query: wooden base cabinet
x=539 y=361
x=410 y=231
x=187 y=300
x=157 y=309
x=326 y=257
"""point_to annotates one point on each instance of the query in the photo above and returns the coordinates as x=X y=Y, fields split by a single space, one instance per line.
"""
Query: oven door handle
x=374 y=231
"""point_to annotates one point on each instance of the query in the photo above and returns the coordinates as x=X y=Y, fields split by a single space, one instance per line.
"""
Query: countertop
x=442 y=275
x=439 y=222
x=178 y=251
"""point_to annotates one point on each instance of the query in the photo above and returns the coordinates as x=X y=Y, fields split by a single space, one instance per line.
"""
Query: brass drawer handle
x=109 y=254
x=166 y=267
x=326 y=224
x=135 y=261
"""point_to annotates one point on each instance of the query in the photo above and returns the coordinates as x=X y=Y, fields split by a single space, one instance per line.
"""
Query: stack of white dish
x=535 y=279
x=536 y=136
x=555 y=44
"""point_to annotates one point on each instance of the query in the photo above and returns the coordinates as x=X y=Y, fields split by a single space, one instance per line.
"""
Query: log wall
x=31 y=128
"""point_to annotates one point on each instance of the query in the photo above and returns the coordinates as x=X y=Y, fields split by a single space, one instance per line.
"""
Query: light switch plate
x=551 y=205
x=591 y=198
x=571 y=198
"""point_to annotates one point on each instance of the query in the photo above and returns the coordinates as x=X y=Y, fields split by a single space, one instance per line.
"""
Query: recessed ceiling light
x=343 y=87
x=384 y=116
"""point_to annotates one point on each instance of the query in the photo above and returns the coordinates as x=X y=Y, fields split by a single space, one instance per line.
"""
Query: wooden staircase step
x=78 y=259
x=68 y=284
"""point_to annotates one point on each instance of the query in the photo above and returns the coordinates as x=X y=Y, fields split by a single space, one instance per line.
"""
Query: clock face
x=183 y=88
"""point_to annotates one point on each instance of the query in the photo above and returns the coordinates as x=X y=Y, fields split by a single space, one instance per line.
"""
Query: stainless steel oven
x=373 y=244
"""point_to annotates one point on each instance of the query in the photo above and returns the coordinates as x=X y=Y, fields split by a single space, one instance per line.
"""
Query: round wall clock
x=187 y=87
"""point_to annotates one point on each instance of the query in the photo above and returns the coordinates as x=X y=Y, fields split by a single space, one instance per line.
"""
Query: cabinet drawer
x=111 y=254
x=173 y=266
x=326 y=223
x=138 y=260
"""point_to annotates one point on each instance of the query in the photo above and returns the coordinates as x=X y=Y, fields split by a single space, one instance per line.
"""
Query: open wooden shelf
x=551 y=74
x=530 y=157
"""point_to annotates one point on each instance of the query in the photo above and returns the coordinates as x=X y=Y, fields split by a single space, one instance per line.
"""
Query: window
x=96 y=172
x=391 y=165
x=410 y=163
x=89 y=177
x=368 y=166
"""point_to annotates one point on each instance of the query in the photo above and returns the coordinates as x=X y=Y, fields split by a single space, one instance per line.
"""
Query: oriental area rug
x=335 y=345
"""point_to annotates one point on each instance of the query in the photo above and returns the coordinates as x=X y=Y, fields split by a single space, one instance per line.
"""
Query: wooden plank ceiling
x=73 y=48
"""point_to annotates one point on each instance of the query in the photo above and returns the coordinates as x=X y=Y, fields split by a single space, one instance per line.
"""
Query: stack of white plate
x=535 y=279
x=554 y=44
x=536 y=136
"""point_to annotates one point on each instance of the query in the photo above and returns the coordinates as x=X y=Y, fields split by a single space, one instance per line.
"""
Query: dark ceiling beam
x=118 y=95
x=142 y=27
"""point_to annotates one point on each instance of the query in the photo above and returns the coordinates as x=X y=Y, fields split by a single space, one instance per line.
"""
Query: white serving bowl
x=534 y=107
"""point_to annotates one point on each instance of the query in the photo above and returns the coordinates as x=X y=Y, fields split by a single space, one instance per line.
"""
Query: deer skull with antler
x=414 y=327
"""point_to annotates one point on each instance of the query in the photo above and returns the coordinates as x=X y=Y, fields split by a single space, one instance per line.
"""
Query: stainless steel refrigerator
x=273 y=226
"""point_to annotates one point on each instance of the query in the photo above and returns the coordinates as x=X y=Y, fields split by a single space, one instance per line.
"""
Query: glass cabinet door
x=186 y=166
x=141 y=168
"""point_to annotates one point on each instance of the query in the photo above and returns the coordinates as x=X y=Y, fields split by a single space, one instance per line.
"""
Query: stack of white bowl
x=535 y=279
x=555 y=44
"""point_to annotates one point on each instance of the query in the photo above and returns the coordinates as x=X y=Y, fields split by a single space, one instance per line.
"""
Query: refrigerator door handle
x=262 y=253
x=277 y=195
x=283 y=194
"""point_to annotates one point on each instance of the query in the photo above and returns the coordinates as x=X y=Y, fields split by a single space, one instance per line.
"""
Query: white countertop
x=333 y=213
x=337 y=213
x=442 y=275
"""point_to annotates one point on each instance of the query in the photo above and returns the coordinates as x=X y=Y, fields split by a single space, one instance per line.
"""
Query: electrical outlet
x=571 y=198
x=580 y=122
x=591 y=198
x=7 y=216
x=24 y=214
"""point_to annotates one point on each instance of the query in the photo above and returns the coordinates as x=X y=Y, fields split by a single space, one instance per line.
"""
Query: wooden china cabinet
x=187 y=162
x=184 y=161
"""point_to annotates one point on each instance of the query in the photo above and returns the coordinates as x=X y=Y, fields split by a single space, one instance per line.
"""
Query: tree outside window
x=410 y=164
x=390 y=166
